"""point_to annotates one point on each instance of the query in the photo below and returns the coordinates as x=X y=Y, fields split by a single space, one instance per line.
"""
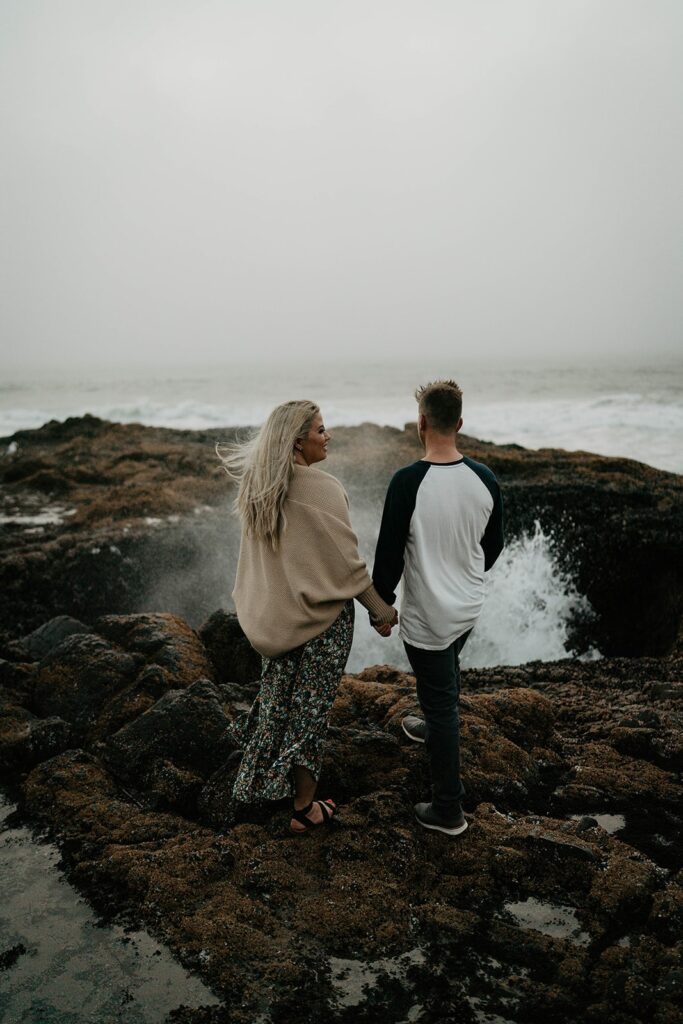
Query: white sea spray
x=530 y=605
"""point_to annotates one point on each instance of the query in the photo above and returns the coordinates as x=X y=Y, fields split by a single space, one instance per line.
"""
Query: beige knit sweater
x=284 y=598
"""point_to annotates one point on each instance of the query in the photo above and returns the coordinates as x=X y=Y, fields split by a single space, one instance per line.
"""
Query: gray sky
x=208 y=180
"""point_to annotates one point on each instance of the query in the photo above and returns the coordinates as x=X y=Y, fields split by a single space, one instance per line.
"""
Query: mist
x=227 y=181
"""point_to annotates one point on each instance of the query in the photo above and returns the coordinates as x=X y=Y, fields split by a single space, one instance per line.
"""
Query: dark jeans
x=437 y=675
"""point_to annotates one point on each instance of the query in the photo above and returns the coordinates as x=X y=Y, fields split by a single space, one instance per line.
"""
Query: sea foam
x=527 y=615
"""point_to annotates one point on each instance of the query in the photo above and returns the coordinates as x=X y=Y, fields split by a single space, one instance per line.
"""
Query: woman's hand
x=385 y=628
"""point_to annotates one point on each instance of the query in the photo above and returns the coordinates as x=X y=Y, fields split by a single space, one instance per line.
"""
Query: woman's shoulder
x=313 y=485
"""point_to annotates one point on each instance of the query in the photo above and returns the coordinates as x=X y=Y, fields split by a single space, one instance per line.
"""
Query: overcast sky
x=202 y=180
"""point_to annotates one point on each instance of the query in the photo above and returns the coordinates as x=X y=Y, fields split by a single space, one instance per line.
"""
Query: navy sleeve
x=399 y=506
x=492 y=542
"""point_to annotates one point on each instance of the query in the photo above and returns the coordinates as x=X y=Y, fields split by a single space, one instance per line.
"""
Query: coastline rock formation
x=103 y=518
x=563 y=900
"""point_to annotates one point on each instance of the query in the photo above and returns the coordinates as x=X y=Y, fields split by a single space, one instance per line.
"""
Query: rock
x=41 y=641
x=162 y=639
x=16 y=679
x=145 y=821
x=232 y=656
x=149 y=519
x=173 y=788
x=188 y=727
x=214 y=804
x=26 y=740
x=79 y=677
x=9 y=957
x=374 y=891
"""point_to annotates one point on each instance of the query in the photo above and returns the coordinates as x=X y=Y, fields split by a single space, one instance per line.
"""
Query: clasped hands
x=385 y=628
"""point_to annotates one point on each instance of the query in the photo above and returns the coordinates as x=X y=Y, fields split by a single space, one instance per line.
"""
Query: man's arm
x=399 y=505
x=492 y=542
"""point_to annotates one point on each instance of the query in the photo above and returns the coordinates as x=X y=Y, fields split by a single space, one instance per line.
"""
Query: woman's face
x=313 y=448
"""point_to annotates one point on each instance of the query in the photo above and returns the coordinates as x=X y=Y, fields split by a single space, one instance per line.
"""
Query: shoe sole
x=412 y=736
x=442 y=828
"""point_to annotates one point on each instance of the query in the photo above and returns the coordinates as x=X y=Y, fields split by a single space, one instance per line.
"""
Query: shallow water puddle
x=611 y=823
x=74 y=969
x=554 y=919
x=353 y=979
x=49 y=516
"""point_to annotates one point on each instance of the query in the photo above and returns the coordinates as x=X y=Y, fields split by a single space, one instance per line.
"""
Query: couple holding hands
x=299 y=571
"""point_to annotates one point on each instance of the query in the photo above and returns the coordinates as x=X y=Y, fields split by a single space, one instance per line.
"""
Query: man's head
x=439 y=408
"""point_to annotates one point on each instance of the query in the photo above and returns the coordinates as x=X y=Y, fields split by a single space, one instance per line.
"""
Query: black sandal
x=326 y=806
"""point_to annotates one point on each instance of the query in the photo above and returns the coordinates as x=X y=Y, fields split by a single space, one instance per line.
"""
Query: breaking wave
x=527 y=616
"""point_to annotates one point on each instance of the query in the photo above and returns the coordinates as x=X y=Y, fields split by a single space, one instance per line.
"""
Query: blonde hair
x=262 y=466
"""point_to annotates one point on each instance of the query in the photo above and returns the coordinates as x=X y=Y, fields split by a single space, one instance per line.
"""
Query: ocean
x=622 y=409
x=618 y=410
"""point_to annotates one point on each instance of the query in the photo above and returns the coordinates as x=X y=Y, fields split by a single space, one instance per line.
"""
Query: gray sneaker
x=429 y=819
x=414 y=728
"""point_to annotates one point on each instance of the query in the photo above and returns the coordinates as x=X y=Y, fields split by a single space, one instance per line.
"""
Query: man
x=442 y=529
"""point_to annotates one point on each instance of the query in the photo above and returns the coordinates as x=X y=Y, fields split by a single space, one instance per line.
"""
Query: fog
x=293 y=181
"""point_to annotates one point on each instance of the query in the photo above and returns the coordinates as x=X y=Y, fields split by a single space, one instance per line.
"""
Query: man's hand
x=385 y=628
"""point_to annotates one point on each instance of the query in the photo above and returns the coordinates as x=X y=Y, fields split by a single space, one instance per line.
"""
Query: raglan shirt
x=442 y=529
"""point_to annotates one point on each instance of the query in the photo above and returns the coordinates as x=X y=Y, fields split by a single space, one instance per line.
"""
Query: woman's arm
x=380 y=611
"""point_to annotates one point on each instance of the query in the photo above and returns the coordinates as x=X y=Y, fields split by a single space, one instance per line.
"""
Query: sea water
x=616 y=409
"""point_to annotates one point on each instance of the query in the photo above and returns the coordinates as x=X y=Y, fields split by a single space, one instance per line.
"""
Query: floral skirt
x=288 y=721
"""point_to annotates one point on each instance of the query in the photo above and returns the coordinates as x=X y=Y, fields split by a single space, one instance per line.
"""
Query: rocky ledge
x=104 y=518
x=562 y=901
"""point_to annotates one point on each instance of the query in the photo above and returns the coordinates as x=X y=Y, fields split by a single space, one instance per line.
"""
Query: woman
x=298 y=572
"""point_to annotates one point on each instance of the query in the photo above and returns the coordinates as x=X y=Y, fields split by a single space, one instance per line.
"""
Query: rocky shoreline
x=563 y=900
x=103 y=518
x=119 y=738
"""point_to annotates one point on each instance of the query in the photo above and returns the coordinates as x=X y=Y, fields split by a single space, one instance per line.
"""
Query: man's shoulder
x=485 y=474
x=409 y=475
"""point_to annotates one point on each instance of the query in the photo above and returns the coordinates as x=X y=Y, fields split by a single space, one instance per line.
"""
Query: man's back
x=442 y=528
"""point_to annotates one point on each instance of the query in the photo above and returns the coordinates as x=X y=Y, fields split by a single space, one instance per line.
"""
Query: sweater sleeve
x=380 y=611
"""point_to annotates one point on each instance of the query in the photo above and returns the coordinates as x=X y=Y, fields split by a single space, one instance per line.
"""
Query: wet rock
x=602 y=777
x=41 y=641
x=666 y=916
x=162 y=639
x=16 y=680
x=214 y=804
x=554 y=846
x=232 y=656
x=9 y=957
x=78 y=678
x=173 y=788
x=143 y=814
x=375 y=887
x=188 y=727
x=26 y=740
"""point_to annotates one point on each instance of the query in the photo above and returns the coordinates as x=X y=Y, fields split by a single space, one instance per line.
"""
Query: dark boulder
x=232 y=656
x=41 y=641
x=188 y=727
x=26 y=740
x=162 y=639
x=79 y=677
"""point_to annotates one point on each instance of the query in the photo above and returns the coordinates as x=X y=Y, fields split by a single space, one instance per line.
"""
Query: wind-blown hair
x=262 y=466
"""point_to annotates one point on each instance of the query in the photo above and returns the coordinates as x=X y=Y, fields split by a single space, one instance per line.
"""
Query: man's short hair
x=440 y=402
